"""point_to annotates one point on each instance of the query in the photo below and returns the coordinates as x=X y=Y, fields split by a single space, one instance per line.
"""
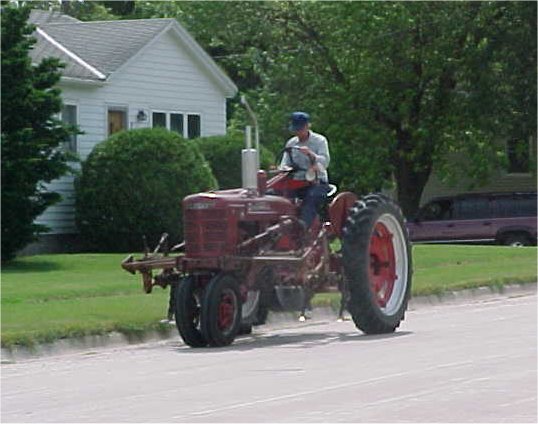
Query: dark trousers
x=312 y=196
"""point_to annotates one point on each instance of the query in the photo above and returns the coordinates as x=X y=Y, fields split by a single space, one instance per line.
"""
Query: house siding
x=163 y=77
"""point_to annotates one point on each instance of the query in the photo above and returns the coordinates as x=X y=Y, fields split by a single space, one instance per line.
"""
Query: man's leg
x=314 y=196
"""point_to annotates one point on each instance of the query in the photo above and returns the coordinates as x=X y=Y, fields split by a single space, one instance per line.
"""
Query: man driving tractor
x=244 y=252
x=308 y=153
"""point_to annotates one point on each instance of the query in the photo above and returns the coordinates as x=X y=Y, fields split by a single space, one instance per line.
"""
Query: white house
x=127 y=74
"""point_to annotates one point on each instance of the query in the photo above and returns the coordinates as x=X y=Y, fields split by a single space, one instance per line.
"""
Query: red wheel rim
x=382 y=268
x=226 y=311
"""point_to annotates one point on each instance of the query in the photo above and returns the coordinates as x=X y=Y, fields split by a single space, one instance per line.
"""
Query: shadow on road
x=291 y=341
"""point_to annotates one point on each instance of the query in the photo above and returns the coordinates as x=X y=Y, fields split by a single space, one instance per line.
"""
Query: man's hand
x=305 y=150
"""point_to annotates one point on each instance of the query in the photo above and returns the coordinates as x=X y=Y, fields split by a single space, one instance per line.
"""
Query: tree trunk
x=411 y=171
x=410 y=185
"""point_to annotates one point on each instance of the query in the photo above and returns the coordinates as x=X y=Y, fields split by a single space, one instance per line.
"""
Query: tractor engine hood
x=213 y=221
x=242 y=207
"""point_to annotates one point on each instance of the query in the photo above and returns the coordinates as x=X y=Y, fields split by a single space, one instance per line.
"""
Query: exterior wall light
x=141 y=116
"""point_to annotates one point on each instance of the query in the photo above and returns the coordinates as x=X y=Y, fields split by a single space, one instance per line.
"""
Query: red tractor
x=245 y=252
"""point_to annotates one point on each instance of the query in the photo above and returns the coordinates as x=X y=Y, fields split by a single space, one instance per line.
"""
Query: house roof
x=73 y=68
x=95 y=50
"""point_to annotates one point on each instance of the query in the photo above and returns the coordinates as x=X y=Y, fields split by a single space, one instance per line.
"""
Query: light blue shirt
x=315 y=142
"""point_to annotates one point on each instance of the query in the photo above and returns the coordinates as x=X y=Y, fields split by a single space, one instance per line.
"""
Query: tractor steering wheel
x=294 y=167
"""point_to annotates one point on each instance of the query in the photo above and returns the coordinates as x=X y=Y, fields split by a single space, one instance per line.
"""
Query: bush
x=132 y=185
x=224 y=156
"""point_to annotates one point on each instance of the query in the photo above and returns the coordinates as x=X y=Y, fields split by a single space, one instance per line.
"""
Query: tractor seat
x=332 y=190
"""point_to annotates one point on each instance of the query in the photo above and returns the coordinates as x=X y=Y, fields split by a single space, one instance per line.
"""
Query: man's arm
x=286 y=160
x=320 y=155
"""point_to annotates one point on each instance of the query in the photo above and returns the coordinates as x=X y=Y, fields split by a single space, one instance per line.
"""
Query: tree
x=31 y=134
x=396 y=86
x=82 y=10
x=223 y=153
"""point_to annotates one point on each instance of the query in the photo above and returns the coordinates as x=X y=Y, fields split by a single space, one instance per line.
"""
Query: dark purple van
x=502 y=218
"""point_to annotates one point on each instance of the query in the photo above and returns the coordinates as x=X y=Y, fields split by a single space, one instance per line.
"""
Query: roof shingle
x=106 y=45
x=43 y=49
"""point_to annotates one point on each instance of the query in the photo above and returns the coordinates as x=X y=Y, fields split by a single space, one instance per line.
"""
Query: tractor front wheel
x=187 y=312
x=221 y=310
x=376 y=255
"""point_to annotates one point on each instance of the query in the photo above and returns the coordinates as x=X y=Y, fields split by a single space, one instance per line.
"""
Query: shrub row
x=132 y=184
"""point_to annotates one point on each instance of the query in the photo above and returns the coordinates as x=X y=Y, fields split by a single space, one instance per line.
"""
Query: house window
x=117 y=120
x=159 y=119
x=193 y=125
x=518 y=156
x=176 y=122
x=69 y=117
x=187 y=125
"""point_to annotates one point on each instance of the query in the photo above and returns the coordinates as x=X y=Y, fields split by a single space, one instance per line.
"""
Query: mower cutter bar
x=131 y=265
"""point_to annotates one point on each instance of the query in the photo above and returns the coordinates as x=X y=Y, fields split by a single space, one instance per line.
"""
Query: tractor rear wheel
x=376 y=255
x=187 y=312
x=221 y=310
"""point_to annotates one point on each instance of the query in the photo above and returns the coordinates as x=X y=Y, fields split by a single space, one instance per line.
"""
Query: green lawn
x=52 y=296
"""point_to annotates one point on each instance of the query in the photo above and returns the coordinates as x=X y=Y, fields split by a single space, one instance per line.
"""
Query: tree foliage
x=82 y=10
x=396 y=86
x=224 y=156
x=31 y=134
x=132 y=185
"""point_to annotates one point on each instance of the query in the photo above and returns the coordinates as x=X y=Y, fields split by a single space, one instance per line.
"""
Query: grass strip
x=48 y=297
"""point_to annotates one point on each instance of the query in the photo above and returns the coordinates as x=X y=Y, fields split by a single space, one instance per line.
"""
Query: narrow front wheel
x=187 y=312
x=221 y=310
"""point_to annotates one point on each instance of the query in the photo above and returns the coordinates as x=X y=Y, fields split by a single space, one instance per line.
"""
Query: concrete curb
x=276 y=320
x=480 y=293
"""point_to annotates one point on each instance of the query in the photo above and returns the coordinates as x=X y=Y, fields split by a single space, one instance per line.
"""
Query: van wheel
x=516 y=240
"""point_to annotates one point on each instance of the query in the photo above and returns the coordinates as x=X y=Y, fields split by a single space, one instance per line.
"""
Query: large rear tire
x=221 y=310
x=187 y=312
x=376 y=255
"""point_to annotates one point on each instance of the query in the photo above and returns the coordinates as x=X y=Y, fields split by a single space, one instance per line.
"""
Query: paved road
x=465 y=362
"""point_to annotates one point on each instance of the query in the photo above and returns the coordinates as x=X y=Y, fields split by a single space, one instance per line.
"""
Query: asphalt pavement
x=470 y=361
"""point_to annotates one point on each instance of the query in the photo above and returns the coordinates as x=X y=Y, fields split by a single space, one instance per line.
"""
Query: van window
x=438 y=210
x=473 y=208
x=508 y=207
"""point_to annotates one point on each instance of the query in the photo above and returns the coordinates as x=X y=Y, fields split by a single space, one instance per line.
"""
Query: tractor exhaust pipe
x=250 y=157
x=249 y=163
